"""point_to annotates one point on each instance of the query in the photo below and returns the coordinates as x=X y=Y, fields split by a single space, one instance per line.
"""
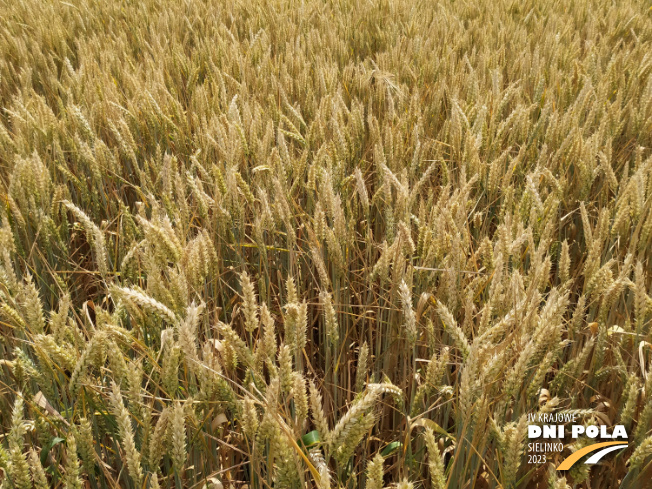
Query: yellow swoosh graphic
x=570 y=461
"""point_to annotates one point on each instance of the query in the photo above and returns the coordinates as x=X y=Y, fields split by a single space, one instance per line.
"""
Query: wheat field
x=322 y=244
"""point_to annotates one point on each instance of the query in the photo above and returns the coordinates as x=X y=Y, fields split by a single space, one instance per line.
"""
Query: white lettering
x=549 y=431
x=603 y=432
x=533 y=431
x=619 y=431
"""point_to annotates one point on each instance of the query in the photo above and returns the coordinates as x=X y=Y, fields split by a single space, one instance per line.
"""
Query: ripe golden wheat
x=330 y=244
